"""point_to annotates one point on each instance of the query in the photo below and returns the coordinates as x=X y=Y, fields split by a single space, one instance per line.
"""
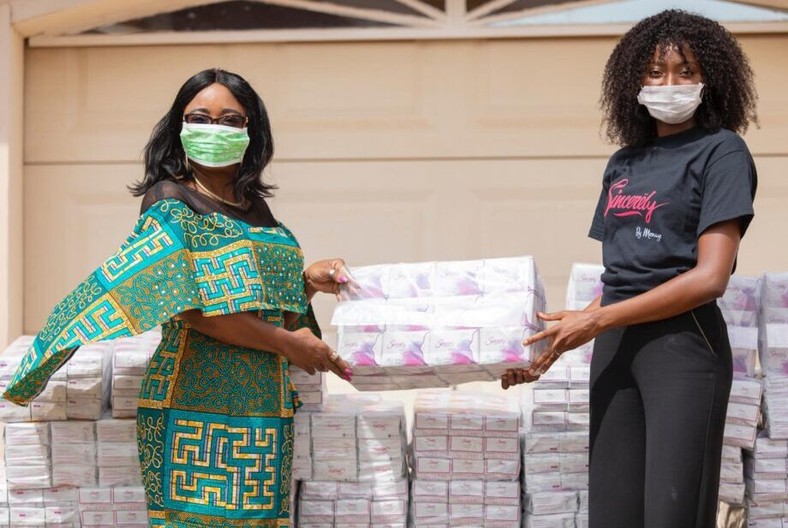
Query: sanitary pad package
x=435 y=324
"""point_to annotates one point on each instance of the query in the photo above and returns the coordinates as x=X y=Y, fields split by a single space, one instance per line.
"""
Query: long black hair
x=165 y=158
x=729 y=95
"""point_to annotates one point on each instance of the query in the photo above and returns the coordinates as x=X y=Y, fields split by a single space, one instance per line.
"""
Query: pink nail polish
x=343 y=280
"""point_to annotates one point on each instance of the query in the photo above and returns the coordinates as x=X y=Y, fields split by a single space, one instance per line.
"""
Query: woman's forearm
x=681 y=294
x=243 y=329
x=705 y=282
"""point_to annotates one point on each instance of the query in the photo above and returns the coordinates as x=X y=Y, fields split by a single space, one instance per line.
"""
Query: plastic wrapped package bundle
x=3 y=496
x=740 y=434
x=80 y=390
x=556 y=422
x=477 y=503
x=113 y=506
x=74 y=453
x=584 y=286
x=312 y=390
x=766 y=479
x=559 y=401
x=744 y=412
x=89 y=381
x=28 y=463
x=772 y=522
x=302 y=446
x=739 y=307
x=464 y=436
x=49 y=508
x=435 y=324
x=129 y=363
x=774 y=352
x=382 y=504
x=732 y=475
x=356 y=438
x=49 y=405
x=555 y=469
x=465 y=454
x=116 y=453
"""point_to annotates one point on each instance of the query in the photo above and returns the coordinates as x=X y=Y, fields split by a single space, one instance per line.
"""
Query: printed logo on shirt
x=621 y=204
x=642 y=233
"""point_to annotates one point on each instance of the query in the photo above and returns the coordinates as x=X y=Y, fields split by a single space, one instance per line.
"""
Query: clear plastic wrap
x=436 y=324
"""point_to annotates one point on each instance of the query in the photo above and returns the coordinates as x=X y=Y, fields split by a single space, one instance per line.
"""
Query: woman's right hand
x=310 y=353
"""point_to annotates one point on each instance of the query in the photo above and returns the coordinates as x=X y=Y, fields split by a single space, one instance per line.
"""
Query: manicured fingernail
x=343 y=280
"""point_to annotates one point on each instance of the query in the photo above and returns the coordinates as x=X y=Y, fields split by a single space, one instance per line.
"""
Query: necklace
x=207 y=191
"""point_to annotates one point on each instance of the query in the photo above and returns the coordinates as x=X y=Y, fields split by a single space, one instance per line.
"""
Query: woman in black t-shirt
x=675 y=203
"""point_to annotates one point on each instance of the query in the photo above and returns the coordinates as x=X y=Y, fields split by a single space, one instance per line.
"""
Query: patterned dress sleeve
x=174 y=260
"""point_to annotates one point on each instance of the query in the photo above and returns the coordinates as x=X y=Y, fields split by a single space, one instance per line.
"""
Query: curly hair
x=729 y=95
x=165 y=158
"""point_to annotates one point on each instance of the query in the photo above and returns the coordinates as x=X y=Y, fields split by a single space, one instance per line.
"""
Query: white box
x=72 y=432
x=113 y=454
x=502 y=493
x=552 y=502
x=433 y=468
x=466 y=422
x=98 y=518
x=470 y=468
x=27 y=434
x=25 y=497
x=466 y=514
x=73 y=475
x=60 y=495
x=388 y=512
x=466 y=492
x=114 y=430
x=502 y=445
x=424 y=511
x=506 y=513
x=501 y=469
x=335 y=470
x=120 y=476
x=128 y=494
x=431 y=491
x=131 y=518
x=352 y=511
x=22 y=516
x=466 y=444
x=74 y=454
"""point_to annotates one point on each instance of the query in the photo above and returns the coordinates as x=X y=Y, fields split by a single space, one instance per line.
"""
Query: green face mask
x=214 y=145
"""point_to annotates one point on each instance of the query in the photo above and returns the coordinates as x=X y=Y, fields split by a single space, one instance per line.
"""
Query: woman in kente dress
x=209 y=263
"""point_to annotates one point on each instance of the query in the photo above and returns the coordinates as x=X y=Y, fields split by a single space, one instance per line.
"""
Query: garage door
x=396 y=151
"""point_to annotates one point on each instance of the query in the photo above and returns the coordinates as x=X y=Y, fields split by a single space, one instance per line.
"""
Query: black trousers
x=659 y=393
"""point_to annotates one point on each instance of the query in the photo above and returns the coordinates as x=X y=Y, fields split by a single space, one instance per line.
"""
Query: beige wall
x=11 y=64
x=385 y=151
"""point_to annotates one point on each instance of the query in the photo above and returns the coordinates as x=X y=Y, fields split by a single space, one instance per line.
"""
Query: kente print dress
x=215 y=421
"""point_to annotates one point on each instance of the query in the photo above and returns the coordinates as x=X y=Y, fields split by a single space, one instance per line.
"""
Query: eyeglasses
x=230 y=120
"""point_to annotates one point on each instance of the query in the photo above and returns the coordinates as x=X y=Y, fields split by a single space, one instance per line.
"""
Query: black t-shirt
x=657 y=200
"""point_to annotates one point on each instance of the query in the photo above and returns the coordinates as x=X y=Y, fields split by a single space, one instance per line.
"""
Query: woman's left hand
x=326 y=276
x=572 y=329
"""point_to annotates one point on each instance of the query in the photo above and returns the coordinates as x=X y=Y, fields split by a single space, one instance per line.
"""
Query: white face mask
x=671 y=104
